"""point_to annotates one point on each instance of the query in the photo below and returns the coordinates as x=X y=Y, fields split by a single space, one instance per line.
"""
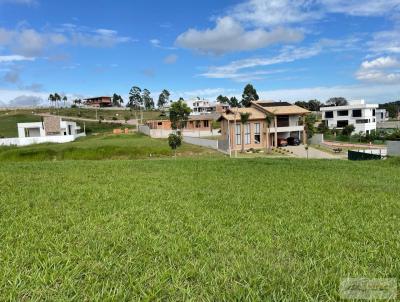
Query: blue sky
x=289 y=50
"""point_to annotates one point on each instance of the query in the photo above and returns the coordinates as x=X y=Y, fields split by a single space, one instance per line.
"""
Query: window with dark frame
x=328 y=114
x=341 y=124
x=247 y=134
x=357 y=113
x=257 y=134
x=343 y=112
x=238 y=134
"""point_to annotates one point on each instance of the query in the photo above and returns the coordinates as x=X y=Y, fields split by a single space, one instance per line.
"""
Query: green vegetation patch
x=129 y=146
x=9 y=120
x=196 y=229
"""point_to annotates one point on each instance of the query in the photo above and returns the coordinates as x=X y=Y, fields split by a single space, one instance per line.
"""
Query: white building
x=381 y=115
x=205 y=107
x=51 y=126
x=50 y=130
x=359 y=114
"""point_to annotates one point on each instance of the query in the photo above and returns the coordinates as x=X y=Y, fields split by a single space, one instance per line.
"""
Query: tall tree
x=269 y=118
x=249 y=95
x=337 y=101
x=163 y=99
x=135 y=97
x=244 y=118
x=117 y=100
x=147 y=99
x=178 y=114
x=234 y=102
x=57 y=98
x=312 y=105
x=65 y=99
x=51 y=98
x=223 y=99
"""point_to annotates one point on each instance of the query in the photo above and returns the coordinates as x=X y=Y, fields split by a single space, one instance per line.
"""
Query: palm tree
x=57 y=98
x=65 y=99
x=244 y=118
x=51 y=99
x=269 y=117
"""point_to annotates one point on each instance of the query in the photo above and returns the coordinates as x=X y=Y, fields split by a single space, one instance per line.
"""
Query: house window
x=329 y=114
x=357 y=113
x=283 y=120
x=247 y=133
x=341 y=124
x=206 y=124
x=363 y=121
x=238 y=135
x=197 y=124
x=343 y=112
x=257 y=136
x=373 y=112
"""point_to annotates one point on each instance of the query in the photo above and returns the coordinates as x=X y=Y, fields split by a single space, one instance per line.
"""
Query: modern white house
x=357 y=113
x=206 y=107
x=50 y=130
x=381 y=115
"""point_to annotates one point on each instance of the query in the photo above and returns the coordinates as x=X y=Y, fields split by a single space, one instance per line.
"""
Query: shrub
x=348 y=130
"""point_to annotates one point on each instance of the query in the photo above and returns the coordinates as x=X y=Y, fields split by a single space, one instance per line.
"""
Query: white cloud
x=382 y=62
x=13 y=58
x=170 y=59
x=386 y=41
x=380 y=70
x=361 y=7
x=378 y=93
x=278 y=12
x=155 y=42
x=229 y=35
x=31 y=43
x=26 y=2
x=275 y=12
x=288 y=54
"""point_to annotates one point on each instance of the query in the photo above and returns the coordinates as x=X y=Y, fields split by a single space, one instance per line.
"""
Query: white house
x=51 y=126
x=205 y=107
x=381 y=115
x=357 y=113
x=50 y=130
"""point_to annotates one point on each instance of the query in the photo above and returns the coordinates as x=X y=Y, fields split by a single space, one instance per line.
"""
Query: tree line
x=139 y=98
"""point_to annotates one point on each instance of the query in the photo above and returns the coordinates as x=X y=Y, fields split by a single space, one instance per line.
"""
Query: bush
x=348 y=130
x=322 y=128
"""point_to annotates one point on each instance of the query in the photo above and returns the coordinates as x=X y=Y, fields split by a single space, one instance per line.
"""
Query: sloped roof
x=233 y=113
x=279 y=108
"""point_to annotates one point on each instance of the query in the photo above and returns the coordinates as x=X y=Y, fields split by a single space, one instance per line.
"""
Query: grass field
x=98 y=147
x=8 y=123
x=196 y=229
x=103 y=113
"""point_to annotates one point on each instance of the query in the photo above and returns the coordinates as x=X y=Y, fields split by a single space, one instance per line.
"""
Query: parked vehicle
x=293 y=141
x=282 y=142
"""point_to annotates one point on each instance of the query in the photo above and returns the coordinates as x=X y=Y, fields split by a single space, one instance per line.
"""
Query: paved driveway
x=300 y=151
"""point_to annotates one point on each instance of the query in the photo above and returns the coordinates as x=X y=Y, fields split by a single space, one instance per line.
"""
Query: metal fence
x=363 y=155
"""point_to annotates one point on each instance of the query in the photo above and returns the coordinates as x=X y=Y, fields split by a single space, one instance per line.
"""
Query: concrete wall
x=207 y=143
x=25 y=141
x=317 y=139
x=393 y=148
x=161 y=133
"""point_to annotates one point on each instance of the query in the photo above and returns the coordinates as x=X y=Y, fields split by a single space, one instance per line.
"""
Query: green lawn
x=102 y=113
x=9 y=120
x=195 y=229
x=97 y=147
